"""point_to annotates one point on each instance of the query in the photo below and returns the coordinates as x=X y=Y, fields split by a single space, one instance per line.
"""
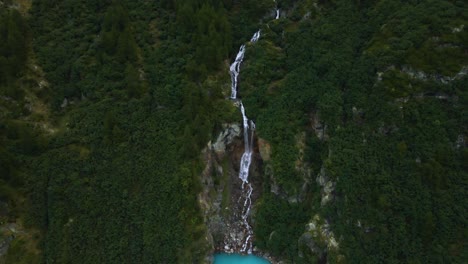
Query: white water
x=255 y=37
x=246 y=159
x=277 y=10
x=234 y=69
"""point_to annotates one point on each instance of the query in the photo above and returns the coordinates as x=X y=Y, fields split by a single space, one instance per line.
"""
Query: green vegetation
x=13 y=51
x=135 y=91
x=390 y=145
x=287 y=226
x=119 y=184
x=118 y=181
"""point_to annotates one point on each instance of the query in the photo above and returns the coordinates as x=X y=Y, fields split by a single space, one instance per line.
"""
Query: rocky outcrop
x=420 y=75
x=225 y=138
x=300 y=165
x=460 y=143
x=15 y=238
x=8 y=232
x=328 y=187
x=458 y=29
x=423 y=76
x=318 y=240
x=264 y=148
x=222 y=188
x=318 y=126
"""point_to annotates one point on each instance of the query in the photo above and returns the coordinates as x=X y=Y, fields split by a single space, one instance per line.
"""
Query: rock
x=328 y=190
x=264 y=148
x=272 y=234
x=219 y=180
x=420 y=75
x=64 y=103
x=306 y=243
x=230 y=131
x=328 y=187
x=311 y=226
x=318 y=240
x=43 y=84
x=5 y=244
x=458 y=29
x=274 y=186
x=217 y=227
x=460 y=143
x=319 y=128
x=332 y=242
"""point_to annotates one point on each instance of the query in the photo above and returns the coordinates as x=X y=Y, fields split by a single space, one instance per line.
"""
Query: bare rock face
x=8 y=232
x=328 y=187
x=318 y=240
x=64 y=103
x=225 y=138
x=308 y=247
x=222 y=188
x=318 y=126
x=423 y=76
x=264 y=148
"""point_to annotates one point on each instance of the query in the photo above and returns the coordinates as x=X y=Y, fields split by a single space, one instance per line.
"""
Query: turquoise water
x=238 y=259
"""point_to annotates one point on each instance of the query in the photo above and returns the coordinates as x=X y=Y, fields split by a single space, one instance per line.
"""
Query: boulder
x=226 y=137
x=264 y=148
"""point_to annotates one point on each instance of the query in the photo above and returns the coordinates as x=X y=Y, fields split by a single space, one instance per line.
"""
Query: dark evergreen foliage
x=117 y=182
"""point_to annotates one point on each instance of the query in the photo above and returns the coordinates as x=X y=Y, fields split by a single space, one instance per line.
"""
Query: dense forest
x=106 y=107
x=394 y=139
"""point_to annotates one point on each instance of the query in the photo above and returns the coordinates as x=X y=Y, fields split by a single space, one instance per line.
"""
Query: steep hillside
x=119 y=142
x=363 y=105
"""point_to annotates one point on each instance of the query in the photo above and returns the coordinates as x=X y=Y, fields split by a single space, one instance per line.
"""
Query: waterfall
x=255 y=37
x=277 y=11
x=249 y=126
x=248 y=142
x=234 y=70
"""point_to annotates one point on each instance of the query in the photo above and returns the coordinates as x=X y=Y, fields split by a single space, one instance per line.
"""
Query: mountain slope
x=107 y=109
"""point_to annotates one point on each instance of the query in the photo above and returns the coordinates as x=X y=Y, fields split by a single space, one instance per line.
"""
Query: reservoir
x=238 y=259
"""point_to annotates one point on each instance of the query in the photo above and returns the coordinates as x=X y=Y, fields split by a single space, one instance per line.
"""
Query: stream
x=245 y=198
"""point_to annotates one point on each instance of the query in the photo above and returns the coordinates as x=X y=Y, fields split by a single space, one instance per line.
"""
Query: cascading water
x=246 y=159
x=255 y=37
x=238 y=238
x=234 y=69
x=277 y=11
